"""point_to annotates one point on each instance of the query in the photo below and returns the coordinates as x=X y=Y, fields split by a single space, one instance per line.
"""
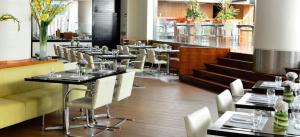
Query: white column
x=276 y=38
x=140 y=19
x=15 y=45
x=85 y=16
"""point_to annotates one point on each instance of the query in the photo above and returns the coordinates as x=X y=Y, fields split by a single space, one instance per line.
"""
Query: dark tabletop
x=257 y=88
x=70 y=77
x=116 y=57
x=218 y=129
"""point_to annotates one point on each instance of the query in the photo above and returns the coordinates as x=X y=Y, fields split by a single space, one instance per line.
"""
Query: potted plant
x=44 y=11
x=227 y=11
x=281 y=119
x=6 y=17
x=194 y=12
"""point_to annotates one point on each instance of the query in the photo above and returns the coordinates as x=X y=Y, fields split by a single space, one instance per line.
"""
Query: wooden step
x=239 y=73
x=247 y=65
x=203 y=83
x=220 y=78
x=241 y=56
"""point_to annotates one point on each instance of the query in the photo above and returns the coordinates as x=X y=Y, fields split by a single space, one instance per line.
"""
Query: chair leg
x=43 y=122
x=67 y=123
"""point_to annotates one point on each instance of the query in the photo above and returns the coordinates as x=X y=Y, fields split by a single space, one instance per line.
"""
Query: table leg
x=168 y=64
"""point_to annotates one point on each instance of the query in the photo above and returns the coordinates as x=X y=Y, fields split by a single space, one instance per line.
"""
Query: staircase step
x=203 y=83
x=241 y=56
x=220 y=78
x=239 y=73
x=247 y=65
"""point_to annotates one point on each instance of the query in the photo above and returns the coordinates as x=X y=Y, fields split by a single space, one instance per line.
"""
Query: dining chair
x=60 y=52
x=90 y=60
x=66 y=54
x=153 y=60
x=120 y=48
x=79 y=56
x=237 y=89
x=139 y=63
x=225 y=102
x=197 y=123
x=55 y=49
x=100 y=96
x=73 y=56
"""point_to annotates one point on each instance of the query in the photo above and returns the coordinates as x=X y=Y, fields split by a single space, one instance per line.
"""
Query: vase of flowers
x=281 y=119
x=82 y=66
x=44 y=11
x=291 y=76
x=288 y=94
x=104 y=49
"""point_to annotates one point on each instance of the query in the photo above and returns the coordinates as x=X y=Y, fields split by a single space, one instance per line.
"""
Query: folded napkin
x=244 y=122
x=269 y=84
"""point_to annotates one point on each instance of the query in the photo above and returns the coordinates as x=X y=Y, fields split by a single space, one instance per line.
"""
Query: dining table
x=71 y=77
x=239 y=124
x=140 y=46
x=261 y=87
x=168 y=52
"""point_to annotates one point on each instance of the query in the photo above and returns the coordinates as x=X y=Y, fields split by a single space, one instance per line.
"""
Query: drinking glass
x=271 y=95
x=256 y=118
x=278 y=81
x=297 y=120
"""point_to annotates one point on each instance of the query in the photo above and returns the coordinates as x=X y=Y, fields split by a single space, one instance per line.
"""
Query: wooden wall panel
x=19 y=63
x=196 y=58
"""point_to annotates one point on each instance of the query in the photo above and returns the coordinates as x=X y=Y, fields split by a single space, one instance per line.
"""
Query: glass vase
x=43 y=41
x=288 y=95
x=281 y=121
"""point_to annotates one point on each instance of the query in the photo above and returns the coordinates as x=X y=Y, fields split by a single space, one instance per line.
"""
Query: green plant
x=194 y=11
x=227 y=11
x=6 y=17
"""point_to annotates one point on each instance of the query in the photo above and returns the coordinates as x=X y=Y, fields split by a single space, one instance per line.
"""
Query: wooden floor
x=158 y=110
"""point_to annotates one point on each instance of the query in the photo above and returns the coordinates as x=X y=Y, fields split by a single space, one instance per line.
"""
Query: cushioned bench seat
x=12 y=112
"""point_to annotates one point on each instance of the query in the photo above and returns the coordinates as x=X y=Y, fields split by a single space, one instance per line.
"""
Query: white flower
x=287 y=83
x=291 y=75
x=281 y=106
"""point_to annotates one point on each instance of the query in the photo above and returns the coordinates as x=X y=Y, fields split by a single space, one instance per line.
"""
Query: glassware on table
x=297 y=118
x=278 y=81
x=271 y=95
x=256 y=118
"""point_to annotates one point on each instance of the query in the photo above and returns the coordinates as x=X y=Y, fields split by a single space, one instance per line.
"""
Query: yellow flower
x=37 y=5
x=60 y=10
x=44 y=17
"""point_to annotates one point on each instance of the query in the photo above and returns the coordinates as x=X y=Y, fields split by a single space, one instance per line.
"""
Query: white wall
x=277 y=25
x=85 y=16
x=15 y=45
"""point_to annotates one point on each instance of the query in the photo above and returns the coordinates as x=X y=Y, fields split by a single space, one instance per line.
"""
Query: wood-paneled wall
x=20 y=63
x=178 y=9
x=196 y=58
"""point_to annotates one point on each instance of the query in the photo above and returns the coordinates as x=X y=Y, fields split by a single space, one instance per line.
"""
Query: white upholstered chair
x=55 y=48
x=79 y=56
x=73 y=56
x=120 y=48
x=225 y=102
x=153 y=60
x=237 y=89
x=90 y=61
x=197 y=123
x=67 y=54
x=60 y=52
x=139 y=63
x=101 y=95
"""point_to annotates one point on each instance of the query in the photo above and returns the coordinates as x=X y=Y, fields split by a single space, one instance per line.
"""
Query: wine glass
x=256 y=118
x=278 y=81
x=271 y=95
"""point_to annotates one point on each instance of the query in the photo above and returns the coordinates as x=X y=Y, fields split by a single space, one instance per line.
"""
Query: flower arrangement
x=104 y=49
x=227 y=11
x=44 y=12
x=291 y=76
x=281 y=116
x=194 y=12
x=6 y=17
x=82 y=66
x=289 y=87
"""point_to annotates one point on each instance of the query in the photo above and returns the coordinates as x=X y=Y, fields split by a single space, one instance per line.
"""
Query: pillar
x=14 y=44
x=85 y=16
x=276 y=35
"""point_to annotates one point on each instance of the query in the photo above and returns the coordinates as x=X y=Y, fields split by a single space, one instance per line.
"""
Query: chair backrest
x=73 y=56
x=120 y=48
x=104 y=91
x=55 y=49
x=151 y=56
x=124 y=86
x=126 y=50
x=197 y=123
x=141 y=58
x=60 y=52
x=224 y=102
x=237 y=88
x=142 y=51
x=79 y=56
x=90 y=61
x=66 y=53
